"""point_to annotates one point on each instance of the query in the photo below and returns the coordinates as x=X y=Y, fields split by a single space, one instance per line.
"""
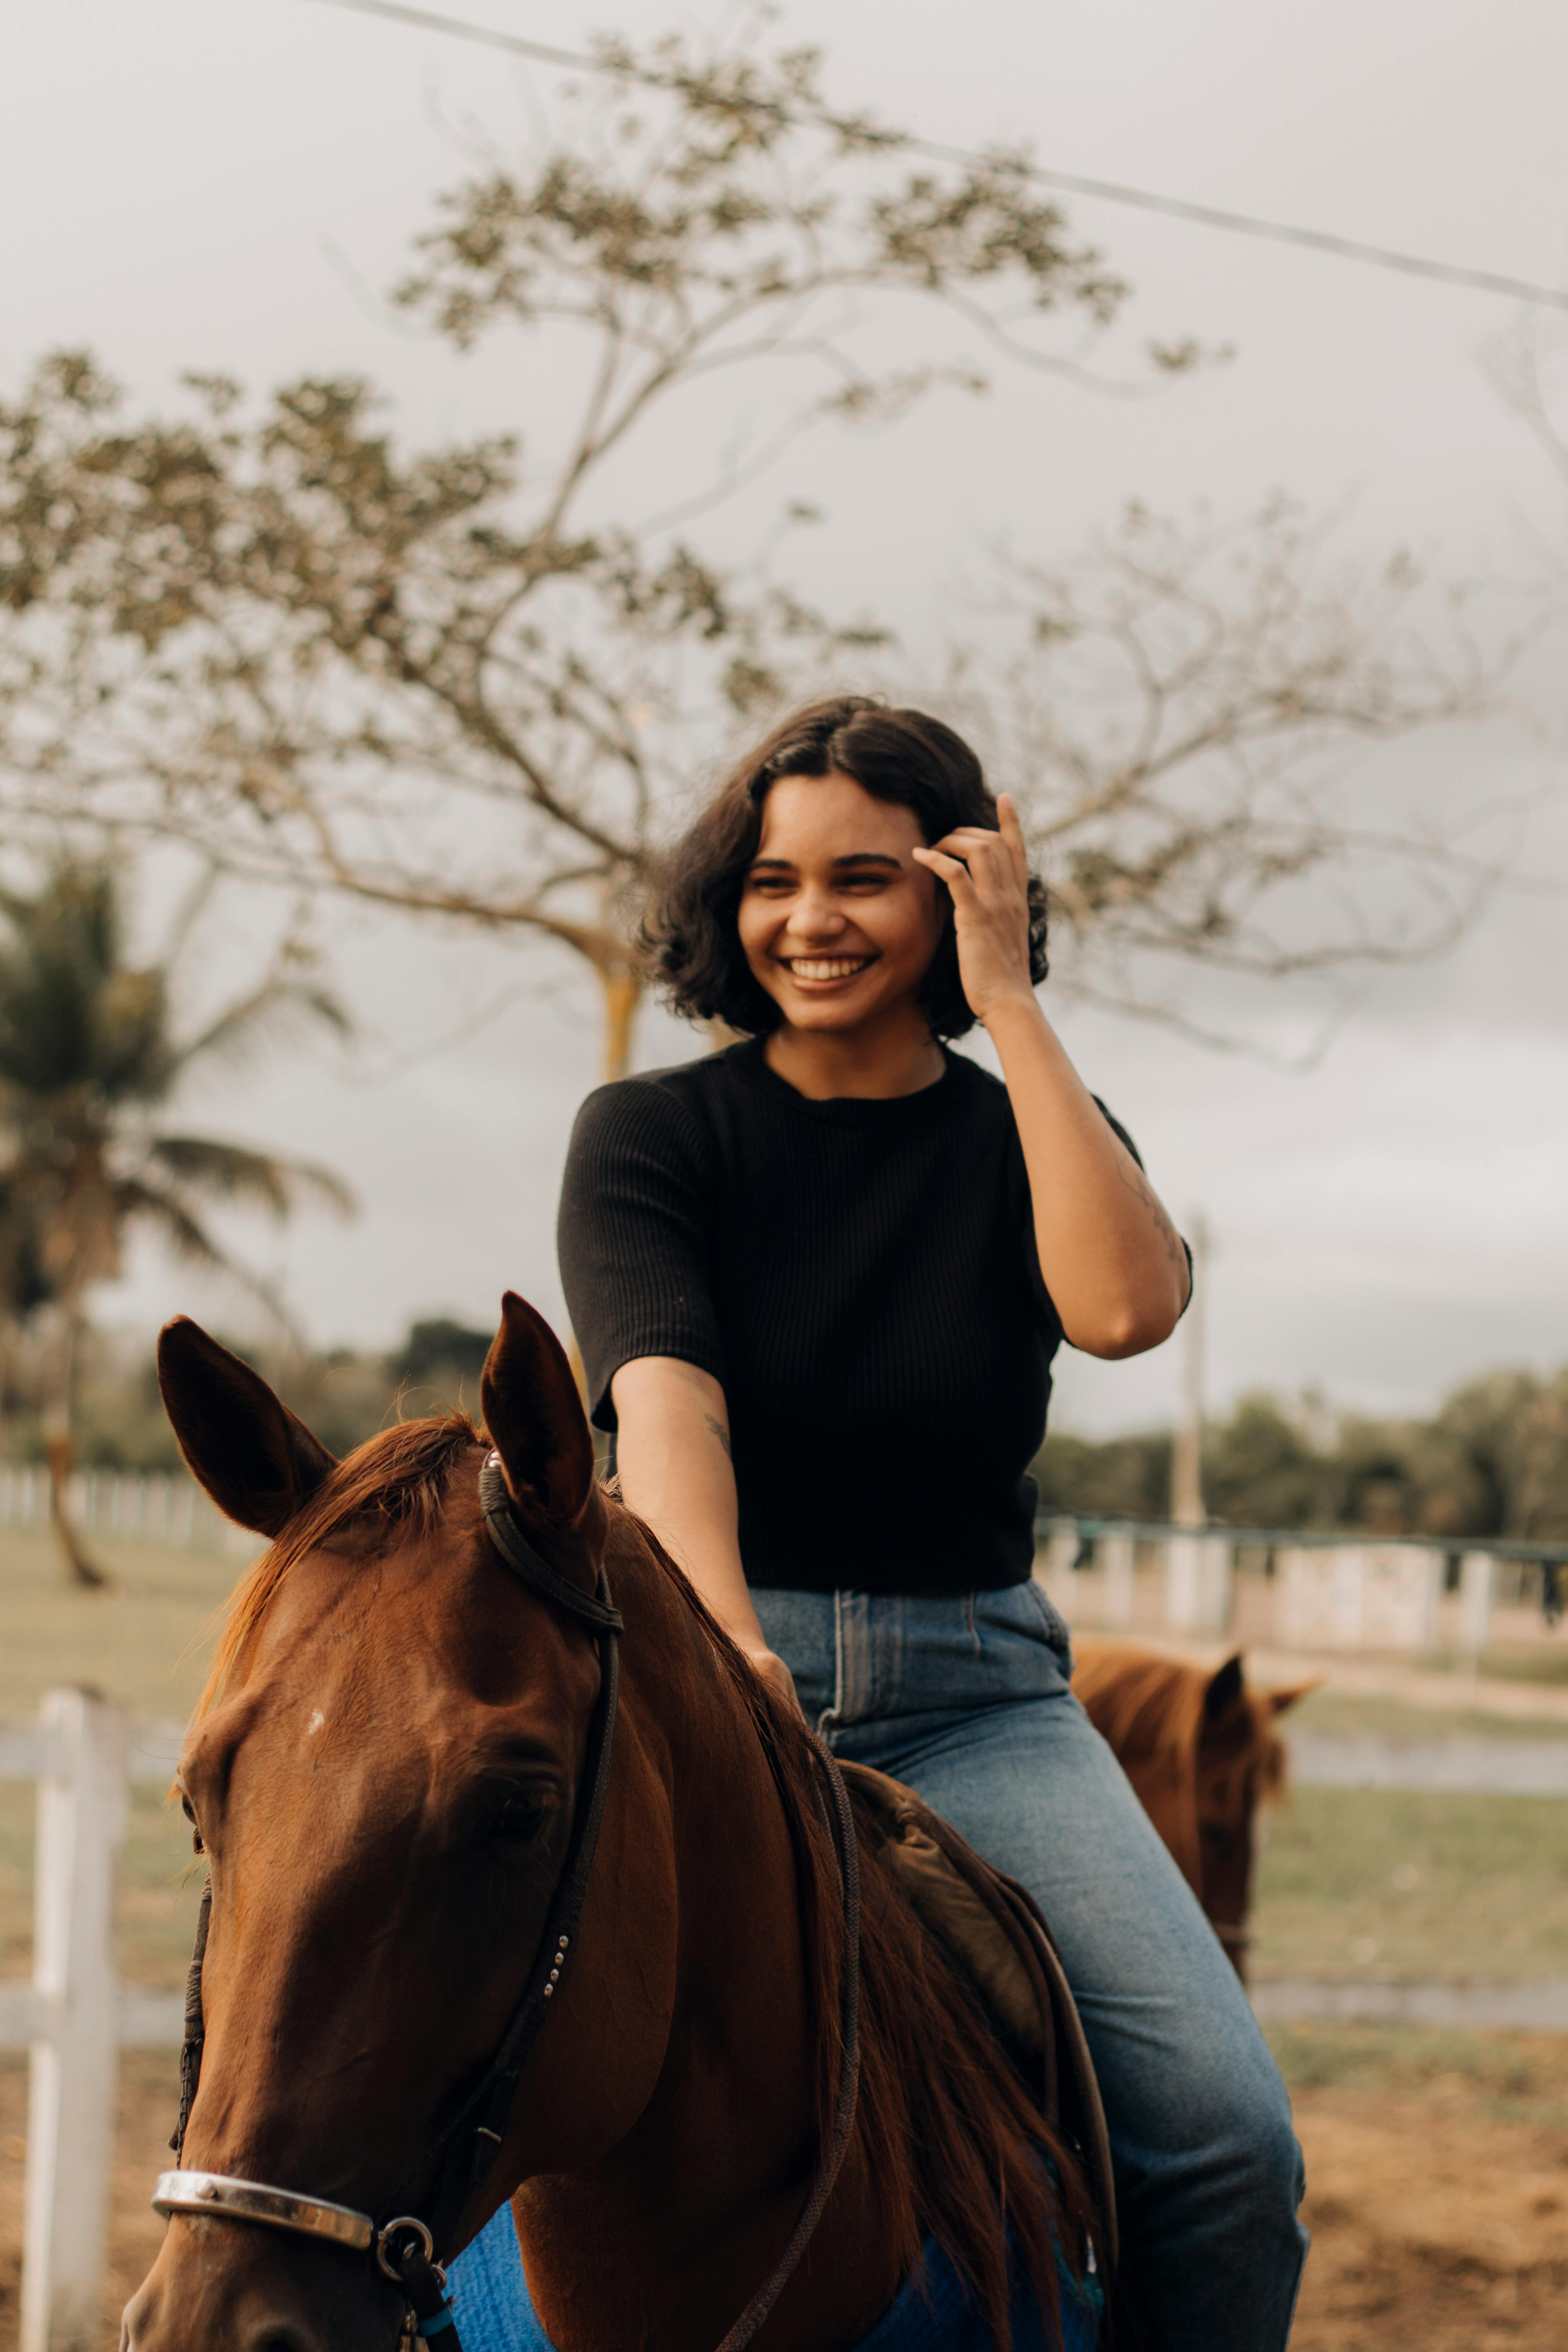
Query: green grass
x=1335 y=1712
x=1544 y=1664
x=1358 y=1882
x=146 y=1644
x=1513 y=2077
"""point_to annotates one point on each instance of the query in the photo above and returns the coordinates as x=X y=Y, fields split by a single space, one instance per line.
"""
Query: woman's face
x=838 y=921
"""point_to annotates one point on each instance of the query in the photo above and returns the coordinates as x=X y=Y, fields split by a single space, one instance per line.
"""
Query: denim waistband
x=864 y=1658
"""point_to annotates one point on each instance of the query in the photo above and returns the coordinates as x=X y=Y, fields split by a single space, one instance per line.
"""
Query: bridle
x=404 y=2244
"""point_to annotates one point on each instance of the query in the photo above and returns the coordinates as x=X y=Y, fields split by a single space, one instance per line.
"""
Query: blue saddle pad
x=931 y=2312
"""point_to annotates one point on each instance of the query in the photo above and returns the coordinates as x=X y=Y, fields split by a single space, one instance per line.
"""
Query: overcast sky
x=226 y=184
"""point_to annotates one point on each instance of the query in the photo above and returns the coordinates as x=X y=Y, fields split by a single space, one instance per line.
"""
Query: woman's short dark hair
x=691 y=926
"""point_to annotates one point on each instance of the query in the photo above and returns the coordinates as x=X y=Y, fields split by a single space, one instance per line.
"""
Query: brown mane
x=961 y=2153
x=959 y=2149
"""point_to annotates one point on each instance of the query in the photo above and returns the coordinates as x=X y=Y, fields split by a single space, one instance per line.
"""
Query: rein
x=404 y=2245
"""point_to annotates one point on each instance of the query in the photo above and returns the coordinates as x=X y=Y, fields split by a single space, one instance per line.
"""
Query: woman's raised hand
x=988 y=876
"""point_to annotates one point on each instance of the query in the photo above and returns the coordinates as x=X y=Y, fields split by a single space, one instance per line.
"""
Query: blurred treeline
x=344 y=1394
x=1492 y=1461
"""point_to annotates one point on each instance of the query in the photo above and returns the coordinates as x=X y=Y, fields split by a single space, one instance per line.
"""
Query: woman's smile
x=818 y=971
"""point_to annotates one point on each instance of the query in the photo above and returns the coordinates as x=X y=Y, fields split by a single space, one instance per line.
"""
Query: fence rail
x=1291 y=1590
x=149 y=1505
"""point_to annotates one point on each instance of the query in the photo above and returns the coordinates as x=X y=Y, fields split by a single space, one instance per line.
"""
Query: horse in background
x=1204 y=1753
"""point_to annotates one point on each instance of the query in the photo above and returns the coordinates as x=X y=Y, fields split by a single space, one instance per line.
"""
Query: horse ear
x=1224 y=1690
x=534 y=1415
x=1280 y=1700
x=247 y=1451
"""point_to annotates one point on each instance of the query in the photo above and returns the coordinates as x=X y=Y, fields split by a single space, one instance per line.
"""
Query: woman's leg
x=970 y=1706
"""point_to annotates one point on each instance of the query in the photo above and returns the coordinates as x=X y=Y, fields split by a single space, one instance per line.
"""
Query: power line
x=1076 y=184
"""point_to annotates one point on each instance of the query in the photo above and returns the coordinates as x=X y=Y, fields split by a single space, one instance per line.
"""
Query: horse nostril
x=281 y=2336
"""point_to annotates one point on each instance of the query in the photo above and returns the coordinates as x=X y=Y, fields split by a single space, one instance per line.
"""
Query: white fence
x=1283 y=1592
x=75 y=2016
x=152 y=1505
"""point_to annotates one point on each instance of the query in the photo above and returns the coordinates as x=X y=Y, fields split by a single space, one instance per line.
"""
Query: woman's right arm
x=673 y=1459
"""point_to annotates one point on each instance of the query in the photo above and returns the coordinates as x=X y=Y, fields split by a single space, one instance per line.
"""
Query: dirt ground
x=1438 y=2209
x=1433 y=2227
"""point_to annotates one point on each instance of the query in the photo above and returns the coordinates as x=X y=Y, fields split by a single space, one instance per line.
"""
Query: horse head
x=1239 y=1765
x=1204 y=1753
x=382 y=1780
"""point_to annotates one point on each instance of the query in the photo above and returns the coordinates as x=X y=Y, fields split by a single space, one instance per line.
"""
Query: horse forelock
x=393 y=1485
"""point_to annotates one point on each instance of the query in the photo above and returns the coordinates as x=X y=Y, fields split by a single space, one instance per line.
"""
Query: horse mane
x=961 y=2153
x=958 y=2149
x=1151 y=1710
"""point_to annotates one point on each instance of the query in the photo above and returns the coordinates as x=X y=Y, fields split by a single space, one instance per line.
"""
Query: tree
x=464 y=685
x=1186 y=697
x=1491 y=1460
x=89 y=1057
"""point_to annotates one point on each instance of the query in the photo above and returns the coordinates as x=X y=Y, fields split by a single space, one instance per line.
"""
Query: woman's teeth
x=827 y=967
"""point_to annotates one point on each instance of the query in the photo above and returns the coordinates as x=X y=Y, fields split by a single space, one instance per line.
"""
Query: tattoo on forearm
x=720 y=1433
x=1132 y=1177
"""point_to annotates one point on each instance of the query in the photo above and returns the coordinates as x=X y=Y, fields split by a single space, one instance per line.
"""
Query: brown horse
x=1203 y=1753
x=383 y=1775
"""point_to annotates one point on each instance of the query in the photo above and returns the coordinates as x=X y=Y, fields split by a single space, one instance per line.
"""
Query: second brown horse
x=1204 y=1754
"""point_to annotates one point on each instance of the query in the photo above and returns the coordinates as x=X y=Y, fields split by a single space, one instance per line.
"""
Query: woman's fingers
x=953 y=870
x=984 y=856
x=1013 y=835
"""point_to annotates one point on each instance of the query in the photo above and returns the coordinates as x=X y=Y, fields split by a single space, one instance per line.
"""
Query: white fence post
x=1197 y=1583
x=71 y=2091
x=1477 y=1577
x=1114 y=1557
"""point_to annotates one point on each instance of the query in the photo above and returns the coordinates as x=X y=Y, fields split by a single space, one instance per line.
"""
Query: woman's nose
x=815 y=915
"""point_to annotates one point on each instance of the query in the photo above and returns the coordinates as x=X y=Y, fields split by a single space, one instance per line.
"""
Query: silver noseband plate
x=219 y=2195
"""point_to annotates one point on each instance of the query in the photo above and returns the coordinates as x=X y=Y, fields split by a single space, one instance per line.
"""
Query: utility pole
x=1187 y=1459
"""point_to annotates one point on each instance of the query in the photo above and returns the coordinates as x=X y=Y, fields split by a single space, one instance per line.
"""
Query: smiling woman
x=819 y=1280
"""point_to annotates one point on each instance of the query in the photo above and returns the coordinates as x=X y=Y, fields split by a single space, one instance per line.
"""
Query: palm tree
x=88 y=1059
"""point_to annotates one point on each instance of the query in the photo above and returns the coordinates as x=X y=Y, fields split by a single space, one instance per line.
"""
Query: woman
x=818 y=1280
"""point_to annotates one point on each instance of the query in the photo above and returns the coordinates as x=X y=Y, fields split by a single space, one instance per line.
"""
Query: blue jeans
x=966 y=1699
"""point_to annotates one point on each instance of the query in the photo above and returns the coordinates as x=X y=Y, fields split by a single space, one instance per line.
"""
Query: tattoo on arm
x=720 y=1433
x=1170 y=1240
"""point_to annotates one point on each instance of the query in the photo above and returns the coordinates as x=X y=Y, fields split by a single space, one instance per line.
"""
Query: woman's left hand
x=988 y=875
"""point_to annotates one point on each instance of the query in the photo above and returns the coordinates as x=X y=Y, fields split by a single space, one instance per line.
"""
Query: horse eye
x=198 y=1844
x=518 y=1819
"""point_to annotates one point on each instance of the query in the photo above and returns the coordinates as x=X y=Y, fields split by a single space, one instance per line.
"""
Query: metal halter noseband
x=404 y=2245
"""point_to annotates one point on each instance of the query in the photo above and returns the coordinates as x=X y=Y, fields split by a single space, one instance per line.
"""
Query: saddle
x=992 y=1934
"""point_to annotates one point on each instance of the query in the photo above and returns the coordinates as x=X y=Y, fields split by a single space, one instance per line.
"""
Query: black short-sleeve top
x=861 y=1278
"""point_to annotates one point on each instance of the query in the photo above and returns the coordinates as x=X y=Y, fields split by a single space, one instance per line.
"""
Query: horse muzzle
x=232 y=2279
